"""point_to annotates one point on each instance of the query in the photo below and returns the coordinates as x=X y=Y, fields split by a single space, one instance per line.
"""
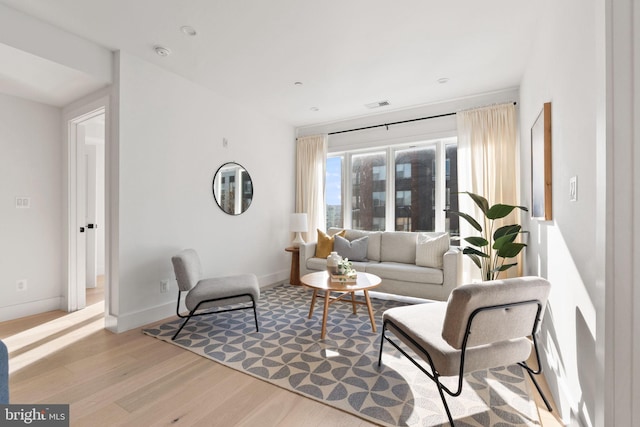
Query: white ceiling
x=347 y=53
x=28 y=76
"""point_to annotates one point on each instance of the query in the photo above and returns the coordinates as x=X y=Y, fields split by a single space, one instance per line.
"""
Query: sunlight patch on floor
x=37 y=343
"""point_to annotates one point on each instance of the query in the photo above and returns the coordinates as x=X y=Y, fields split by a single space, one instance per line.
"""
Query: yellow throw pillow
x=325 y=243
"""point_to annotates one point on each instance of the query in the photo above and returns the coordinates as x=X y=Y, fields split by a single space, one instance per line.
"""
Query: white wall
x=170 y=145
x=31 y=240
x=562 y=70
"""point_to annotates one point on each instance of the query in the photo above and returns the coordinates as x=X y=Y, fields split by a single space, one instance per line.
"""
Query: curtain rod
x=396 y=123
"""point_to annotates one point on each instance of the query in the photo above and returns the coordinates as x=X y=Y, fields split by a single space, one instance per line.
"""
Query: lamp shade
x=298 y=222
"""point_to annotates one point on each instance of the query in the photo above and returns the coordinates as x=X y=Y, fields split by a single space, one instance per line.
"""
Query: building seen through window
x=400 y=189
x=368 y=191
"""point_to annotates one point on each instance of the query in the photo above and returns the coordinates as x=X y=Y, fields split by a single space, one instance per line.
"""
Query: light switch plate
x=23 y=202
x=573 y=189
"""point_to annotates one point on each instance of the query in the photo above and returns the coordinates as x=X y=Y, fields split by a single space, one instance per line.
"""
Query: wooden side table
x=294 y=277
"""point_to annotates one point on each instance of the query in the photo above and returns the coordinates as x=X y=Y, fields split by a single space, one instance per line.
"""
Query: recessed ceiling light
x=162 y=51
x=315 y=109
x=188 y=31
x=298 y=83
x=443 y=80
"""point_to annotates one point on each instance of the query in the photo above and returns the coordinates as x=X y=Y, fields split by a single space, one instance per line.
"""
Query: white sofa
x=392 y=257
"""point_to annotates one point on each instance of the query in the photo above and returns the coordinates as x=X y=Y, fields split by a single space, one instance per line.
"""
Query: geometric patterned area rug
x=342 y=370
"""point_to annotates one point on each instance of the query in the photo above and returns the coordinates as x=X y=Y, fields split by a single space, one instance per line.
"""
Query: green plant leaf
x=504 y=267
x=469 y=219
x=476 y=241
x=501 y=245
x=498 y=211
x=473 y=251
x=498 y=244
x=480 y=201
x=475 y=260
x=501 y=241
x=507 y=229
x=509 y=250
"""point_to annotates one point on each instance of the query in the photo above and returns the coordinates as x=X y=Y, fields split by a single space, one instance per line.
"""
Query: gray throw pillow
x=355 y=250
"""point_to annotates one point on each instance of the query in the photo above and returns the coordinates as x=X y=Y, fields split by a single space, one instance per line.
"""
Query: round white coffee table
x=320 y=281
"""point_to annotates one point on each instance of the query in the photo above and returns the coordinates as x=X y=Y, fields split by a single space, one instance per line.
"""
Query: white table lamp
x=298 y=224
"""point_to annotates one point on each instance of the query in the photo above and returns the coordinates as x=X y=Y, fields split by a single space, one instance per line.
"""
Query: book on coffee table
x=343 y=278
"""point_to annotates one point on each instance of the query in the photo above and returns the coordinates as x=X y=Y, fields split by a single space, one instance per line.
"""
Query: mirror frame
x=244 y=198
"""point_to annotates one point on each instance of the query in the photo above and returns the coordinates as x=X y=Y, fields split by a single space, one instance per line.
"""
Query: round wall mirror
x=232 y=188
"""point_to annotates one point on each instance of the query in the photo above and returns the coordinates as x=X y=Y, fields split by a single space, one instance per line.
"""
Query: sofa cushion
x=355 y=250
x=430 y=249
x=325 y=243
x=406 y=272
x=398 y=246
x=373 y=251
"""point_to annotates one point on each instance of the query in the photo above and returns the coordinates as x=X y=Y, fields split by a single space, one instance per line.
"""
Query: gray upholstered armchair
x=481 y=326
x=207 y=296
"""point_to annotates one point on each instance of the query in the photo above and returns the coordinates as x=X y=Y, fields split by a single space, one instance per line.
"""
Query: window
x=394 y=188
x=378 y=198
x=368 y=191
x=333 y=192
x=379 y=173
x=418 y=212
x=452 y=223
x=403 y=170
x=403 y=198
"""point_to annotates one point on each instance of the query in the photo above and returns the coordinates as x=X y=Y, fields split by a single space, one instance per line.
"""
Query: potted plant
x=345 y=268
x=492 y=248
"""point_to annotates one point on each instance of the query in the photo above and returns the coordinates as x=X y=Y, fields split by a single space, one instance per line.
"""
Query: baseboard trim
x=30 y=308
x=128 y=321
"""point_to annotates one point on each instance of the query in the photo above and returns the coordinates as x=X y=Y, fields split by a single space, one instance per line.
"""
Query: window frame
x=390 y=152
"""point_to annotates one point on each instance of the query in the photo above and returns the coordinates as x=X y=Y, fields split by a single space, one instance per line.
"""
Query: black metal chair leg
x=255 y=315
x=173 y=338
x=544 y=398
x=384 y=327
x=444 y=401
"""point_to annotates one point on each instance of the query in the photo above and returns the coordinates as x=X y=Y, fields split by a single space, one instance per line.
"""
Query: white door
x=90 y=212
x=87 y=205
x=78 y=299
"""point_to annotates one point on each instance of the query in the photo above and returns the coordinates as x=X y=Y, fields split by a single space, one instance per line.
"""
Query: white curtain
x=311 y=159
x=488 y=165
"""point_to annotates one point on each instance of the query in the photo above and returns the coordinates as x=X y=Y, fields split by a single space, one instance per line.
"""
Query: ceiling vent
x=377 y=104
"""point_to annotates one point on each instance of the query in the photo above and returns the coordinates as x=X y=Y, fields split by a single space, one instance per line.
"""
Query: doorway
x=87 y=266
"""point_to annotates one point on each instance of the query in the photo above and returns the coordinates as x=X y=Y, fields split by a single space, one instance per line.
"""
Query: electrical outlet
x=21 y=285
x=164 y=286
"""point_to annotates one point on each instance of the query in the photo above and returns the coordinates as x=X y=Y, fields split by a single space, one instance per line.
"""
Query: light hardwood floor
x=131 y=379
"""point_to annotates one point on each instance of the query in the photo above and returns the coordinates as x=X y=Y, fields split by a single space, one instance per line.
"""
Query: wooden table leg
x=353 y=302
x=373 y=322
x=327 y=297
x=313 y=302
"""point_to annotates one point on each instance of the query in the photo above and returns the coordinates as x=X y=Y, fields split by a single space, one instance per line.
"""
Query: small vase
x=332 y=262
